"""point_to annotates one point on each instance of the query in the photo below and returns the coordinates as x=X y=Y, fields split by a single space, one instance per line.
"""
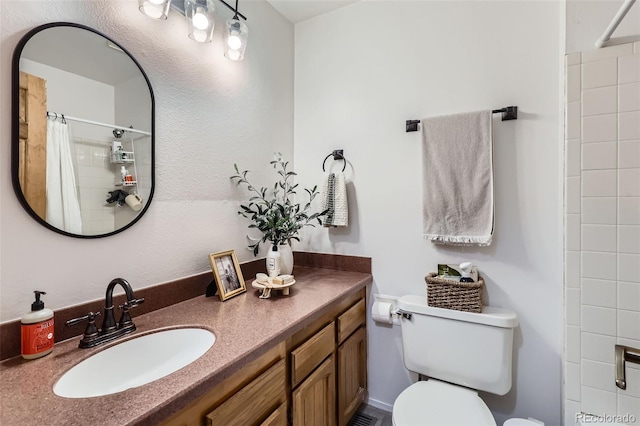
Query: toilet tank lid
x=497 y=317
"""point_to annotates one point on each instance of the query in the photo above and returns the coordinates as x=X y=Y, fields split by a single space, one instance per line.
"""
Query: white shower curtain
x=63 y=207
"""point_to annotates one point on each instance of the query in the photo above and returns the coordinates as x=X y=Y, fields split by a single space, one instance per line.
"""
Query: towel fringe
x=459 y=240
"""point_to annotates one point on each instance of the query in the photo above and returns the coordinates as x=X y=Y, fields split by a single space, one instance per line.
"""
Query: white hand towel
x=457 y=168
x=334 y=199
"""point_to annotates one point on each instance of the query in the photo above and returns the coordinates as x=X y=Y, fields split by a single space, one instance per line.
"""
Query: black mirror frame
x=15 y=128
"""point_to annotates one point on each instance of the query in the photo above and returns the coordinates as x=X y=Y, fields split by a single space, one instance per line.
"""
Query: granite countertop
x=245 y=327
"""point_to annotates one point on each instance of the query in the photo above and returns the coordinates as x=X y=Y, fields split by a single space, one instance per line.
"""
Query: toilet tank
x=469 y=349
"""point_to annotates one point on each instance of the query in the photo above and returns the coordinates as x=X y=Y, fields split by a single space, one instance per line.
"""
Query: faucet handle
x=125 y=319
x=131 y=303
x=91 y=331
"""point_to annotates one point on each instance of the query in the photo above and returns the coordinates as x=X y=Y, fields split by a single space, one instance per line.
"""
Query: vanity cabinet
x=255 y=395
x=317 y=376
x=332 y=384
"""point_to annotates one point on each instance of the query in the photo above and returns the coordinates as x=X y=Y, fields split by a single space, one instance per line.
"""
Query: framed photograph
x=227 y=273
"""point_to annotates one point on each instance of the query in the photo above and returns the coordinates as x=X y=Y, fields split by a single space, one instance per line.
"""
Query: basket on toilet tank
x=456 y=295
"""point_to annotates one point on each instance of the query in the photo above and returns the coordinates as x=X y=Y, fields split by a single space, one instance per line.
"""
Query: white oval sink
x=134 y=362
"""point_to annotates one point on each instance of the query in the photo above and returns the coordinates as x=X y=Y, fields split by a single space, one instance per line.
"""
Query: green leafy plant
x=273 y=211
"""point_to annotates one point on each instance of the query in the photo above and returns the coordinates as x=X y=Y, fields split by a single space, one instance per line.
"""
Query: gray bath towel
x=457 y=168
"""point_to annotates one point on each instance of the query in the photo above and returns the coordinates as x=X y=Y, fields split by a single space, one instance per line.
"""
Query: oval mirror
x=82 y=131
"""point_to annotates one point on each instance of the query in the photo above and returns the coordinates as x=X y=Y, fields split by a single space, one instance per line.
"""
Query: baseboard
x=379 y=405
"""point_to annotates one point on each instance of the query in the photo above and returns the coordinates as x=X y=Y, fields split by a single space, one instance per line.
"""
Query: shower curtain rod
x=97 y=123
x=602 y=41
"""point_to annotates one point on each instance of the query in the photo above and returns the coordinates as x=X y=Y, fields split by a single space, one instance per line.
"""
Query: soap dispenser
x=36 y=329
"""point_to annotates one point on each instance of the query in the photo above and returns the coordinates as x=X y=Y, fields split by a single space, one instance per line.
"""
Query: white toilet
x=459 y=352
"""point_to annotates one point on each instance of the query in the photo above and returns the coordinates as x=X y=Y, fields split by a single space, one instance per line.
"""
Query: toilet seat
x=437 y=403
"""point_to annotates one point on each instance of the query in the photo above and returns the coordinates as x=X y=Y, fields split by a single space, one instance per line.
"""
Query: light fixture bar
x=178 y=5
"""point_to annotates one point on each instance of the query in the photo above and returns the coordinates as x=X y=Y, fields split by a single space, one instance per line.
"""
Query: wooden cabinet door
x=352 y=375
x=255 y=402
x=314 y=401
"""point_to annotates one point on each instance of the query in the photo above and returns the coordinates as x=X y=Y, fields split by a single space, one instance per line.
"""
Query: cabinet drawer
x=351 y=320
x=278 y=417
x=311 y=353
x=253 y=402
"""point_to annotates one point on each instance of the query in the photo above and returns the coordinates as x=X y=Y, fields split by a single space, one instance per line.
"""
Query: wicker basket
x=450 y=294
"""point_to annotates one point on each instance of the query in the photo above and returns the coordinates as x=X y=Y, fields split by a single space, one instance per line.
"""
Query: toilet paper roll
x=381 y=312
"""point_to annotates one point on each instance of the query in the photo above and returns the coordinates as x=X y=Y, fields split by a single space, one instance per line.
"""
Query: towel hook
x=337 y=154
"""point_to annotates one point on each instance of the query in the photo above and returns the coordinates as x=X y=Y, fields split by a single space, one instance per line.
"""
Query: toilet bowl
x=437 y=403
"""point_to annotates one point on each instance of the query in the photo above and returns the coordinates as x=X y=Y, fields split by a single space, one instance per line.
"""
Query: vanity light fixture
x=200 y=15
x=235 y=37
x=156 y=9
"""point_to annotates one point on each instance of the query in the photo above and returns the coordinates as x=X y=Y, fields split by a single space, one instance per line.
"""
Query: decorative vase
x=286 y=259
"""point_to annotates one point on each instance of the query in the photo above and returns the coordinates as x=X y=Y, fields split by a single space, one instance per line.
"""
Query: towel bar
x=508 y=113
x=337 y=154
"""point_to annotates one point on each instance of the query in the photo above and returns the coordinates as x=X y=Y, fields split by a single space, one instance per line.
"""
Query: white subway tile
x=572 y=343
x=629 y=296
x=599 y=210
x=629 y=182
x=572 y=230
x=629 y=406
x=628 y=154
x=629 y=324
x=598 y=375
x=629 y=125
x=603 y=100
x=629 y=211
x=628 y=69
x=598 y=265
x=600 y=293
x=573 y=83
x=599 y=238
x=629 y=97
x=597 y=347
x=629 y=239
x=601 y=155
x=571 y=410
x=572 y=269
x=597 y=401
x=607 y=52
x=600 y=73
x=598 y=320
x=629 y=267
x=573 y=121
x=572 y=381
x=599 y=183
x=633 y=382
x=573 y=200
x=572 y=158
x=599 y=128
x=572 y=59
x=572 y=308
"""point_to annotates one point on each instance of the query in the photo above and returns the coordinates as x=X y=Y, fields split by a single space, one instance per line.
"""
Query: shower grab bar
x=602 y=41
x=508 y=113
x=97 y=123
x=624 y=353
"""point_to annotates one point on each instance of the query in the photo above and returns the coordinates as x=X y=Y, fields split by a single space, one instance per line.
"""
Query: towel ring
x=338 y=154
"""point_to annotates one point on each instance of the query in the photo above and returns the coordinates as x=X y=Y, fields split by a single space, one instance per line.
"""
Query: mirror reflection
x=83 y=131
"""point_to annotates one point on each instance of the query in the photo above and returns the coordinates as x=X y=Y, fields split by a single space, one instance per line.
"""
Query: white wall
x=588 y=19
x=210 y=113
x=361 y=71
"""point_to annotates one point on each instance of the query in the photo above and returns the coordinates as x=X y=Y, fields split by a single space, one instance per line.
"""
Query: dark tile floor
x=380 y=417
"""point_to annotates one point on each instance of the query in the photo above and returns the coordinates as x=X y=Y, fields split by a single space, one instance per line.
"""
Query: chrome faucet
x=110 y=329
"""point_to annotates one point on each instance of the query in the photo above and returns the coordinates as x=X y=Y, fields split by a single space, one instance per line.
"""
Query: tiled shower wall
x=602 y=229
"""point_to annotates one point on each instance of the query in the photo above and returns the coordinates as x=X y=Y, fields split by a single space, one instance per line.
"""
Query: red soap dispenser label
x=37 y=338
